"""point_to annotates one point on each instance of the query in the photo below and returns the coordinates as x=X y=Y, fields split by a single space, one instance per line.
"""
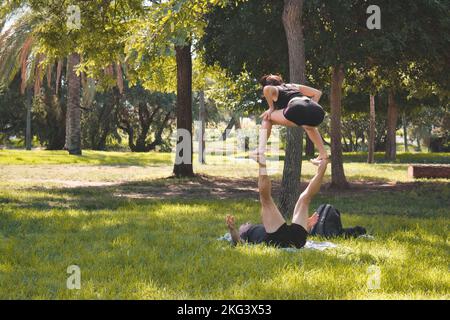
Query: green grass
x=402 y=157
x=167 y=249
x=89 y=157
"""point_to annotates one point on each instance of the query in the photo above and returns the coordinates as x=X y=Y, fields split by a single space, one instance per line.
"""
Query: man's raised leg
x=302 y=207
x=271 y=216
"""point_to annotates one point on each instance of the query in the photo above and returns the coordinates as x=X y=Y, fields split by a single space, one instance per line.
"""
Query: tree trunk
x=290 y=184
x=73 y=107
x=237 y=125
x=338 y=179
x=405 y=132
x=309 y=148
x=28 y=137
x=202 y=119
x=352 y=145
x=230 y=126
x=55 y=119
x=66 y=143
x=346 y=146
x=184 y=111
x=371 y=142
x=392 y=117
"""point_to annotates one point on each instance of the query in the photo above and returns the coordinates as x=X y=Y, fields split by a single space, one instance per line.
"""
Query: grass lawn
x=136 y=235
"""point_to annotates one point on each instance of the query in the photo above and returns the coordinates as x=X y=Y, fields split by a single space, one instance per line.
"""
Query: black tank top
x=286 y=92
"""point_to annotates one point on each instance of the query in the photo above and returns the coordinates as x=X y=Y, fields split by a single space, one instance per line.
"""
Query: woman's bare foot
x=319 y=159
x=312 y=221
x=258 y=156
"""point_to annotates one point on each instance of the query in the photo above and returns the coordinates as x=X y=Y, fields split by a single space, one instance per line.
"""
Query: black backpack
x=329 y=224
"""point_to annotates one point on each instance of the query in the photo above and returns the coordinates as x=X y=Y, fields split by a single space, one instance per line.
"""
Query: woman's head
x=271 y=80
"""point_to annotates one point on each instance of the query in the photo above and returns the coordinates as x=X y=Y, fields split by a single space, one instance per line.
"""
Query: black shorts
x=286 y=236
x=304 y=112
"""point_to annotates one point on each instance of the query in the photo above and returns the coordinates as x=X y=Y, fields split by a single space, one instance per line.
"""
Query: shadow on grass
x=422 y=199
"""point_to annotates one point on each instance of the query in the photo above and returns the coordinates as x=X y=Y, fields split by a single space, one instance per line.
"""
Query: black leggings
x=304 y=112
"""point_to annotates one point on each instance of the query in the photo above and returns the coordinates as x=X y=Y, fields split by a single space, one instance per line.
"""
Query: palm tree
x=19 y=53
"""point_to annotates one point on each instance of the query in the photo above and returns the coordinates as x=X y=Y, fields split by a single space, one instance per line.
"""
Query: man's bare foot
x=258 y=156
x=312 y=221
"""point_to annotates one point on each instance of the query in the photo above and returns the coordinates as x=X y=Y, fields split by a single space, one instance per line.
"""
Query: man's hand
x=324 y=163
x=232 y=227
x=312 y=221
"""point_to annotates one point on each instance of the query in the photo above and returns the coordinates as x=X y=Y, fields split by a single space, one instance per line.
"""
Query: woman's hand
x=266 y=114
x=309 y=92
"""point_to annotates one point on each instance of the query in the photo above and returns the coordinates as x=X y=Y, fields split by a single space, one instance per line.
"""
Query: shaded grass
x=152 y=249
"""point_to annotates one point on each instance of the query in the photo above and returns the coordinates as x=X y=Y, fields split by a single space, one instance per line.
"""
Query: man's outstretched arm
x=232 y=228
x=302 y=207
x=316 y=182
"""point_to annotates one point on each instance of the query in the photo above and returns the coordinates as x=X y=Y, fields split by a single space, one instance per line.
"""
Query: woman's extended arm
x=314 y=94
x=269 y=93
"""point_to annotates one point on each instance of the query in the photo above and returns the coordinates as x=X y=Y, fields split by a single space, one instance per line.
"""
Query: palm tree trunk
x=29 y=102
x=371 y=155
x=338 y=179
x=183 y=167
x=73 y=136
x=290 y=183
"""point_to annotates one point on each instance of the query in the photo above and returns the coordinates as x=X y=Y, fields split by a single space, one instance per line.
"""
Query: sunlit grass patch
x=56 y=215
x=148 y=249
x=89 y=157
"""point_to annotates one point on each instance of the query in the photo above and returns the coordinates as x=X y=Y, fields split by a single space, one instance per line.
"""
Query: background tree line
x=133 y=69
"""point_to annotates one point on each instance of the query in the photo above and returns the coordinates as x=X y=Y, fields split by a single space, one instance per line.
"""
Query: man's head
x=244 y=227
x=231 y=223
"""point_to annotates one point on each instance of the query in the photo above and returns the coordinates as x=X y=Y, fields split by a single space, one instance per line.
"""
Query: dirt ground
x=139 y=183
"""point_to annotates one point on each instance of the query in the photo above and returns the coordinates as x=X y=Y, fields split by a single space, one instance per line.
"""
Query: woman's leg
x=316 y=138
x=276 y=118
x=264 y=134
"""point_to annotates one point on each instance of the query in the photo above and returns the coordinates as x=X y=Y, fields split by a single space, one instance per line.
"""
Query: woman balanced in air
x=291 y=105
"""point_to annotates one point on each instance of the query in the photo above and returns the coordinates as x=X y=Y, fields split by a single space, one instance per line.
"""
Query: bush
x=439 y=140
